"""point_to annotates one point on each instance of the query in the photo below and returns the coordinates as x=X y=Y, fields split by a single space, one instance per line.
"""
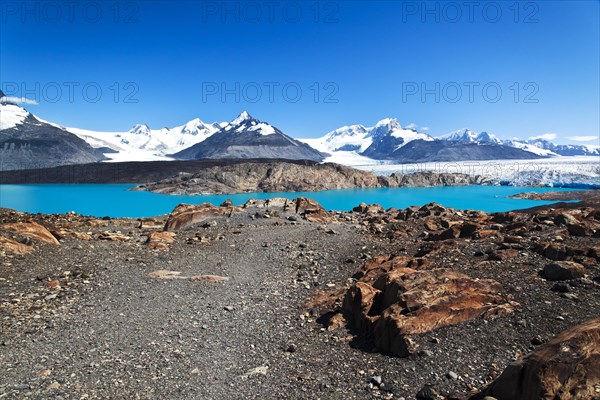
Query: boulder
x=311 y=210
x=186 y=215
x=31 y=230
x=10 y=246
x=451 y=233
x=565 y=219
x=563 y=271
x=160 y=240
x=566 y=368
x=393 y=302
x=501 y=255
x=361 y=208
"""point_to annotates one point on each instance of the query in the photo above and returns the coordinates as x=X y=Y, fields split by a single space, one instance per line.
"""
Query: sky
x=515 y=69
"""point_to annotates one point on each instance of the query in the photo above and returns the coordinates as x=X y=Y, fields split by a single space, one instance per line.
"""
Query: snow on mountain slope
x=247 y=137
x=539 y=147
x=144 y=144
x=358 y=138
x=469 y=136
x=11 y=115
x=530 y=148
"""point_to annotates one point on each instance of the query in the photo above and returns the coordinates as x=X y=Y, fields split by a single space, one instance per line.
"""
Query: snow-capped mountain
x=539 y=147
x=388 y=140
x=358 y=138
x=27 y=142
x=565 y=149
x=469 y=136
x=389 y=137
x=141 y=143
x=247 y=137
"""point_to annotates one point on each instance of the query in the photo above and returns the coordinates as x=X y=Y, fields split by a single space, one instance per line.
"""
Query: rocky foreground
x=283 y=176
x=281 y=299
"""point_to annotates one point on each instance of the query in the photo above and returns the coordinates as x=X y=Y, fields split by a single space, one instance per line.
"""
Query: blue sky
x=514 y=69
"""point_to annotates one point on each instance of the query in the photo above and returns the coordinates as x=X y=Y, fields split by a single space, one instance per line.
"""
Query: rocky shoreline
x=294 y=177
x=282 y=299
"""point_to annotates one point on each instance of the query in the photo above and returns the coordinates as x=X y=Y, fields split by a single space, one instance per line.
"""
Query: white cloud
x=17 y=100
x=425 y=128
x=583 y=138
x=412 y=125
x=545 y=136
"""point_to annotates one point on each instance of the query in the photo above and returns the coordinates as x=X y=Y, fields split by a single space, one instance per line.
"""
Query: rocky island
x=283 y=299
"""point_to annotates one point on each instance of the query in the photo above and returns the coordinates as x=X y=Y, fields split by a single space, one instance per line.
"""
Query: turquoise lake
x=119 y=201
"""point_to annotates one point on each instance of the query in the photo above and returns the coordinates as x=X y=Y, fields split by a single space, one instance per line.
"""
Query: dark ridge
x=122 y=172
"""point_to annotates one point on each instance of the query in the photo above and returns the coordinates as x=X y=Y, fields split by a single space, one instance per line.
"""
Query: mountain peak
x=391 y=123
x=140 y=129
x=244 y=116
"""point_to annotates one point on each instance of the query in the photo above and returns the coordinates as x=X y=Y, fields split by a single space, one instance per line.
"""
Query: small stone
x=452 y=375
x=427 y=353
x=570 y=296
x=228 y=308
x=376 y=380
x=536 y=341
x=291 y=348
x=427 y=393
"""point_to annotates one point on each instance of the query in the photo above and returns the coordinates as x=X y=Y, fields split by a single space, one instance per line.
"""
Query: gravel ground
x=112 y=332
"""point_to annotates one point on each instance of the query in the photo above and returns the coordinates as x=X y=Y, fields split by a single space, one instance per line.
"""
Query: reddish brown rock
x=566 y=368
x=160 y=240
x=311 y=210
x=10 y=246
x=468 y=229
x=563 y=271
x=451 y=233
x=431 y=224
x=401 y=302
x=501 y=255
x=186 y=215
x=581 y=229
x=485 y=233
x=31 y=230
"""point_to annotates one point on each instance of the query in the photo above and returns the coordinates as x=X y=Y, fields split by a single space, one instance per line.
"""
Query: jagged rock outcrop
x=566 y=368
x=396 y=298
x=31 y=230
x=293 y=177
x=186 y=215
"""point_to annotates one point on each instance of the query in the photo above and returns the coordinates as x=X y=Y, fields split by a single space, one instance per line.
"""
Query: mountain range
x=27 y=141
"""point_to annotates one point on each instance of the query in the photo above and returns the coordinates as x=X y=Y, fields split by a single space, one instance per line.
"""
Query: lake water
x=119 y=201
